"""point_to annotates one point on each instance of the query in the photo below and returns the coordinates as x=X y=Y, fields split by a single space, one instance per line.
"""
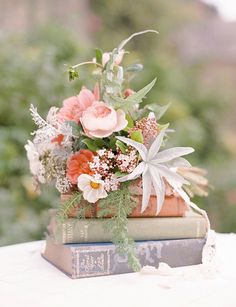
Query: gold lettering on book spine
x=92 y=262
x=69 y=233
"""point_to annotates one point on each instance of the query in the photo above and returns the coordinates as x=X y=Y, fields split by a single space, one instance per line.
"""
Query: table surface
x=27 y=280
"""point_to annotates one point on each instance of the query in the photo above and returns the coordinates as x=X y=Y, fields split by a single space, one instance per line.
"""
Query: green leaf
x=72 y=73
x=125 y=41
x=158 y=110
x=100 y=143
x=130 y=122
x=76 y=129
x=164 y=126
x=94 y=144
x=120 y=174
x=98 y=54
x=122 y=146
x=134 y=68
x=137 y=136
x=91 y=144
x=112 y=143
x=138 y=96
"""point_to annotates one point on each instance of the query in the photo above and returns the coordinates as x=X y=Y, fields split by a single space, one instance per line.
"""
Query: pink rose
x=106 y=57
x=74 y=106
x=101 y=120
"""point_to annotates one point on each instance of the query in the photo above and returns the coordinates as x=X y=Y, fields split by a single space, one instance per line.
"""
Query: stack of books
x=82 y=248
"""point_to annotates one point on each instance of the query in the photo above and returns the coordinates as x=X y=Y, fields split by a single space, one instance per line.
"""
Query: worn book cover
x=99 y=259
x=73 y=230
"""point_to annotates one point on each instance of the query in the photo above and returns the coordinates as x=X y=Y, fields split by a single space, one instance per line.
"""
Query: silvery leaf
x=138 y=171
x=178 y=162
x=147 y=187
x=172 y=153
x=156 y=145
x=171 y=176
x=140 y=147
x=159 y=188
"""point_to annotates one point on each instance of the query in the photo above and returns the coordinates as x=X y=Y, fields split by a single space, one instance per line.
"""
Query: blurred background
x=194 y=58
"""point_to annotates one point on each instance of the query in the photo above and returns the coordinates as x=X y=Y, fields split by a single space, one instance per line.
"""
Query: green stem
x=87 y=63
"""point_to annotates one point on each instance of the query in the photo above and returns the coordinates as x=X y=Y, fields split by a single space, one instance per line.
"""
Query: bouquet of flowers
x=101 y=142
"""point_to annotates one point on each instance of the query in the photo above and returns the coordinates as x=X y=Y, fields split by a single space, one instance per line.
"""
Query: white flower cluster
x=127 y=162
x=45 y=154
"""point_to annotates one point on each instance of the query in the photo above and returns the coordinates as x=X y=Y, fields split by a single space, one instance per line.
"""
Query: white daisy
x=93 y=189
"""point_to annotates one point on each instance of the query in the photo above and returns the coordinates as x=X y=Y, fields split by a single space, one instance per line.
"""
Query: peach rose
x=101 y=120
x=74 y=106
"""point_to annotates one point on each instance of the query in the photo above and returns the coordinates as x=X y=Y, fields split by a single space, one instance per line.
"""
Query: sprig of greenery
x=66 y=207
x=119 y=205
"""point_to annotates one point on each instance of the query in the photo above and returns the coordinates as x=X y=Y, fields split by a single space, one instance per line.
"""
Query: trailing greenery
x=66 y=207
x=114 y=208
x=119 y=205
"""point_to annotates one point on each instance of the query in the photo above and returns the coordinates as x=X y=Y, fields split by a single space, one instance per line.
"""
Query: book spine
x=172 y=206
x=100 y=261
x=92 y=230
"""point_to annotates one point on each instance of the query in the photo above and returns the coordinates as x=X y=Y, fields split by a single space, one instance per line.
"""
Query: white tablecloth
x=27 y=280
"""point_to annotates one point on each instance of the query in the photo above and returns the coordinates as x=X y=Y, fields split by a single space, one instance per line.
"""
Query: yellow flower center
x=94 y=185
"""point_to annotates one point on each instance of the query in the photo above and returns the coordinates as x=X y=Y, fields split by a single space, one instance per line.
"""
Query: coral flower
x=58 y=139
x=74 y=106
x=78 y=164
x=101 y=120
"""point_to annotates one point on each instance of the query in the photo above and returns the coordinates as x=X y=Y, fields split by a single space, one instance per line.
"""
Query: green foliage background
x=32 y=71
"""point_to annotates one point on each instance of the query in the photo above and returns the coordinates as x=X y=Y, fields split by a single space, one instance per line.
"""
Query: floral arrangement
x=101 y=141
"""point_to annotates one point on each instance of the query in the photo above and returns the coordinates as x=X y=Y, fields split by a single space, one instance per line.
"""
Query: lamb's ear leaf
x=127 y=103
x=136 y=67
x=158 y=109
x=125 y=41
x=138 y=96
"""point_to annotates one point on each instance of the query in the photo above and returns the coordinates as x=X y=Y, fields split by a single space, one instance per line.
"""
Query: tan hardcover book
x=73 y=230
x=172 y=206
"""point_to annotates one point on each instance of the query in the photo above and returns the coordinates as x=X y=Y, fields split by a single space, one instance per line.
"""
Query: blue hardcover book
x=99 y=259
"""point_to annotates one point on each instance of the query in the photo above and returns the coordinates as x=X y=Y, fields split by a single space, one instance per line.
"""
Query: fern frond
x=119 y=204
x=66 y=207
